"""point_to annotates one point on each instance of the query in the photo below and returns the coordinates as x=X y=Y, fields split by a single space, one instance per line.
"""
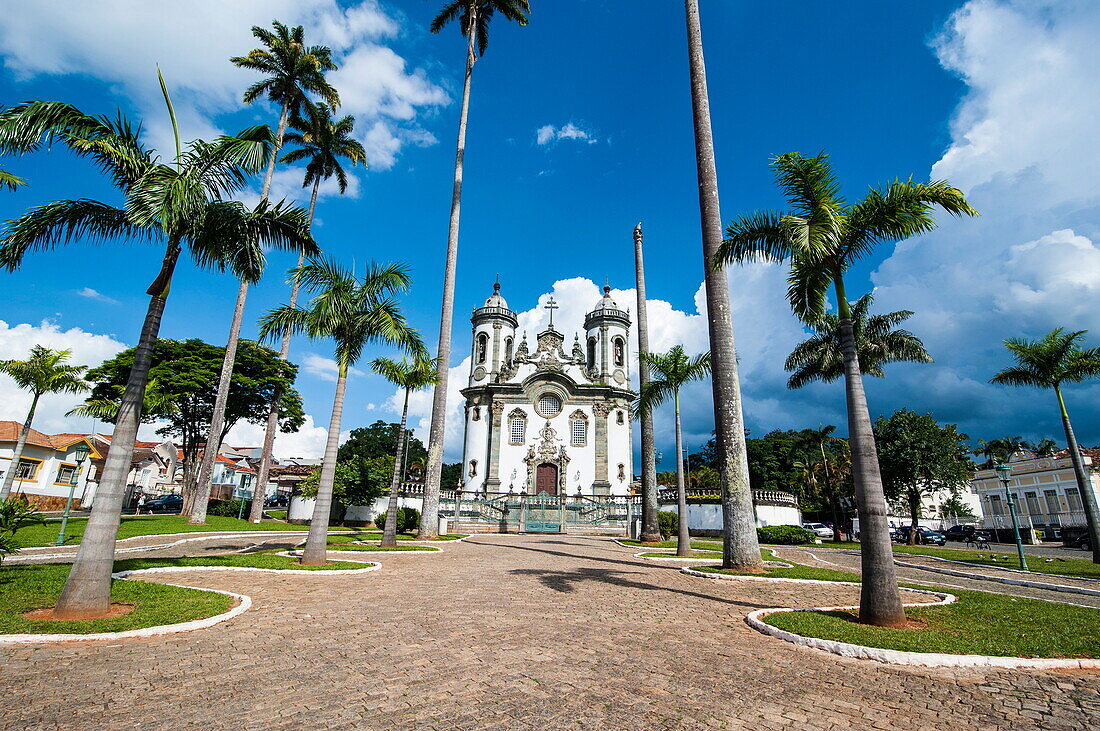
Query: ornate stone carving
x=498 y=408
x=548 y=452
x=578 y=414
x=601 y=409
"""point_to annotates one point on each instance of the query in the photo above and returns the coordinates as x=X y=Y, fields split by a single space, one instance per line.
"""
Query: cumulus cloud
x=1023 y=147
x=97 y=296
x=308 y=442
x=324 y=368
x=132 y=37
x=569 y=131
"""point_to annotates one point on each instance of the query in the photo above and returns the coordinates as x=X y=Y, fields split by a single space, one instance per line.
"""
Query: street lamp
x=80 y=453
x=1004 y=471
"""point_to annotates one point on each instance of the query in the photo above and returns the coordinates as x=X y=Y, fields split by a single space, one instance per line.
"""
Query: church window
x=508 y=351
x=549 y=405
x=473 y=468
x=622 y=472
x=482 y=347
x=591 y=353
x=579 y=433
x=477 y=413
x=518 y=430
x=619 y=346
x=619 y=417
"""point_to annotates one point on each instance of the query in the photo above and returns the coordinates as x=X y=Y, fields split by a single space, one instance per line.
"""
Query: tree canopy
x=380 y=440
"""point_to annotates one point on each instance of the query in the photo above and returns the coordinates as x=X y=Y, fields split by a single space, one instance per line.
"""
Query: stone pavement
x=511 y=632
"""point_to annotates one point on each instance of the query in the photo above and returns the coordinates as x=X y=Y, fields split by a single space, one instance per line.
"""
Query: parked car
x=924 y=536
x=960 y=532
x=163 y=504
x=1076 y=537
x=277 y=501
x=819 y=529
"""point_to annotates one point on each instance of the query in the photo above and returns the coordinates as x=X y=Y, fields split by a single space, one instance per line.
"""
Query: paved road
x=510 y=632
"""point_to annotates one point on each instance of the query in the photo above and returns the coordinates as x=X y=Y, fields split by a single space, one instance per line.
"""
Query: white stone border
x=895 y=657
x=426 y=549
x=696 y=559
x=1064 y=588
x=244 y=604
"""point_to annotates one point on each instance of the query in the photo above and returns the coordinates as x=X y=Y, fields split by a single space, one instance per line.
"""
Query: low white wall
x=708 y=516
x=301 y=509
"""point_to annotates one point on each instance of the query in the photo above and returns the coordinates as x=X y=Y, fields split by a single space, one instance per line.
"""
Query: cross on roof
x=551 y=305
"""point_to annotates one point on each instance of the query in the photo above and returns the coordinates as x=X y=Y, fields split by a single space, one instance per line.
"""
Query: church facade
x=541 y=419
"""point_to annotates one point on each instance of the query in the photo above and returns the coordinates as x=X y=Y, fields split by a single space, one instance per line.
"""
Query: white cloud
x=192 y=42
x=324 y=368
x=87 y=348
x=308 y=442
x=569 y=131
x=97 y=296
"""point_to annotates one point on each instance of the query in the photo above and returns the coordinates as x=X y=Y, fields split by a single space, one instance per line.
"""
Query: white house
x=47 y=470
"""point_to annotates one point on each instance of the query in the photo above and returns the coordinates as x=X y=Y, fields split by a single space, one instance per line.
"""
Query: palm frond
x=45 y=227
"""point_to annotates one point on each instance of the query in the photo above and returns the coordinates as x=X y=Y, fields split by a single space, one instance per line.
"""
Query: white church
x=541 y=420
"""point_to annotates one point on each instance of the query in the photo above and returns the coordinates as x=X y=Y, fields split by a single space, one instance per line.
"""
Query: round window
x=549 y=405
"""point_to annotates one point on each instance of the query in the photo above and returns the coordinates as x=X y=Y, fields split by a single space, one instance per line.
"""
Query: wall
x=706 y=518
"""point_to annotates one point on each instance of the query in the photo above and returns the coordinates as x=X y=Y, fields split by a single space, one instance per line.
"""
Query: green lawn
x=1059 y=566
x=694 y=554
x=277 y=514
x=374 y=535
x=698 y=544
x=144 y=525
x=798 y=571
x=978 y=624
x=268 y=560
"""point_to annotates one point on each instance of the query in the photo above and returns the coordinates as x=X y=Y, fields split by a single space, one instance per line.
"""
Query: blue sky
x=580 y=127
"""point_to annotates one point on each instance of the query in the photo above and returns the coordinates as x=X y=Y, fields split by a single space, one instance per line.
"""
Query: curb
x=1003 y=580
x=1005 y=568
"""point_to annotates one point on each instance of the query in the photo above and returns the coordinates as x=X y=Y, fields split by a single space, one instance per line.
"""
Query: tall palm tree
x=835 y=465
x=321 y=141
x=651 y=529
x=1001 y=450
x=412 y=376
x=822 y=237
x=353 y=312
x=740 y=549
x=1055 y=359
x=669 y=373
x=474 y=17
x=293 y=71
x=45 y=371
x=155 y=403
x=1045 y=447
x=176 y=203
x=878 y=343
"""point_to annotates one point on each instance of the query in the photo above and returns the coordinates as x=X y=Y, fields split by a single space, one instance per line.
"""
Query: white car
x=819 y=529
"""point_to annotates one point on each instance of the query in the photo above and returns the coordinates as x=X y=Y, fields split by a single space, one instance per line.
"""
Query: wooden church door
x=546 y=479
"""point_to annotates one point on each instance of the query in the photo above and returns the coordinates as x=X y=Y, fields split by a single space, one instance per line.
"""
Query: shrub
x=408 y=520
x=784 y=535
x=15 y=513
x=668 y=522
x=224 y=508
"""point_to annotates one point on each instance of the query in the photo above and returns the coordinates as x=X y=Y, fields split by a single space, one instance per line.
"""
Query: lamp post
x=1004 y=471
x=80 y=453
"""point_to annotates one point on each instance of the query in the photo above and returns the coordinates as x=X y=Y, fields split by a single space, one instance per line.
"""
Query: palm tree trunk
x=389 y=531
x=429 y=520
x=879 y=598
x=256 y=511
x=1084 y=481
x=740 y=549
x=683 y=537
x=20 y=444
x=217 y=421
x=651 y=529
x=314 y=553
x=87 y=592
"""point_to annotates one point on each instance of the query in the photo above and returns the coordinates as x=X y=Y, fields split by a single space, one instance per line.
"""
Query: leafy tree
x=740 y=547
x=155 y=404
x=956 y=507
x=45 y=371
x=822 y=236
x=670 y=372
x=704 y=477
x=176 y=202
x=451 y=475
x=1049 y=362
x=322 y=142
x=1000 y=450
x=878 y=343
x=411 y=376
x=378 y=439
x=185 y=373
x=1045 y=447
x=831 y=462
x=354 y=313
x=772 y=457
x=918 y=457
x=357 y=481
x=473 y=18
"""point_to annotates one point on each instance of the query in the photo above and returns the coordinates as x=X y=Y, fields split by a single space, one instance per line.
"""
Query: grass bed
x=251 y=560
x=144 y=525
x=371 y=535
x=369 y=547
x=700 y=545
x=694 y=554
x=277 y=514
x=797 y=571
x=978 y=624
x=32 y=587
x=1059 y=566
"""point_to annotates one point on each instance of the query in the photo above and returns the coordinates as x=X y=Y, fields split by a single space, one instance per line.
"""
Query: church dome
x=605 y=302
x=495 y=308
x=606 y=309
x=496 y=299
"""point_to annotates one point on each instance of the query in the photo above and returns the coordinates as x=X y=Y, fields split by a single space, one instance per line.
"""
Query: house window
x=1073 y=497
x=995 y=505
x=549 y=405
x=1051 y=499
x=518 y=430
x=482 y=347
x=1032 y=504
x=27 y=469
x=66 y=474
x=579 y=433
x=619 y=347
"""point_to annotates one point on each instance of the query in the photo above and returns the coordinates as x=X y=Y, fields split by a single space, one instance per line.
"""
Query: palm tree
x=10 y=181
x=322 y=142
x=1001 y=450
x=740 y=549
x=45 y=371
x=474 y=17
x=835 y=465
x=293 y=71
x=1049 y=362
x=878 y=343
x=178 y=203
x=353 y=312
x=411 y=376
x=670 y=372
x=651 y=530
x=1045 y=447
x=155 y=403
x=823 y=236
